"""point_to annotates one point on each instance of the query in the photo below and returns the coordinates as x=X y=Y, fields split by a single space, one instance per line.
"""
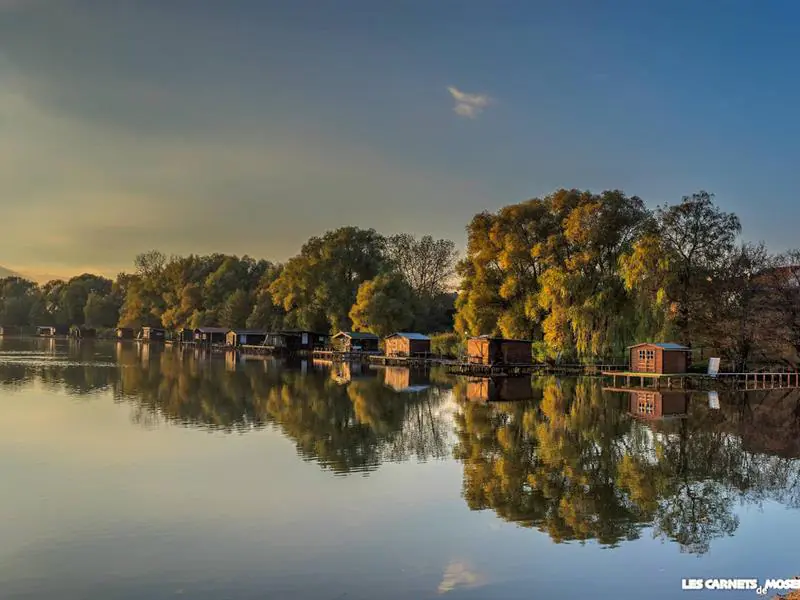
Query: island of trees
x=580 y=274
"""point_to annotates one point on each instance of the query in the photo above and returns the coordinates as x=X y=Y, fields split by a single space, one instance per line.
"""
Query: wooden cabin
x=303 y=339
x=659 y=405
x=407 y=344
x=210 y=335
x=487 y=350
x=52 y=331
x=82 y=333
x=124 y=333
x=504 y=389
x=6 y=330
x=153 y=334
x=665 y=357
x=245 y=337
x=184 y=335
x=356 y=341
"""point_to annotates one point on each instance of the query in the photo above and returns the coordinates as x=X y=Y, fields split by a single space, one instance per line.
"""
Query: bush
x=448 y=344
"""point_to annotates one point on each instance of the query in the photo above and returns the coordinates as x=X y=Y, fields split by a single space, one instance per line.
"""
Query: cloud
x=459 y=574
x=469 y=105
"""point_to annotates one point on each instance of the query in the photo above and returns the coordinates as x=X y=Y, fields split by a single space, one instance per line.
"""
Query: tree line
x=582 y=275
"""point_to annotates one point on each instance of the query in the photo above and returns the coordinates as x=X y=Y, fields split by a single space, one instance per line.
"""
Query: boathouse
x=245 y=337
x=663 y=357
x=52 y=331
x=153 y=334
x=124 y=333
x=303 y=339
x=6 y=330
x=407 y=344
x=355 y=341
x=184 y=335
x=487 y=350
x=659 y=405
x=82 y=333
x=210 y=335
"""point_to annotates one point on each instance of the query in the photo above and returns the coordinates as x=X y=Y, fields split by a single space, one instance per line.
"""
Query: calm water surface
x=133 y=472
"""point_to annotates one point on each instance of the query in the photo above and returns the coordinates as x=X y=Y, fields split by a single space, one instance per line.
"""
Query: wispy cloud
x=459 y=574
x=468 y=105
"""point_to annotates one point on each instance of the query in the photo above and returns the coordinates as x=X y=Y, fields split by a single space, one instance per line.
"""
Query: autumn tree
x=383 y=305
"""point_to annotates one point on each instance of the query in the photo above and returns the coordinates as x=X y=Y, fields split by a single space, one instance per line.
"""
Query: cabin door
x=649 y=363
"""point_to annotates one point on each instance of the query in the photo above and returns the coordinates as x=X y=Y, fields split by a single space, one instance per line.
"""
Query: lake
x=138 y=472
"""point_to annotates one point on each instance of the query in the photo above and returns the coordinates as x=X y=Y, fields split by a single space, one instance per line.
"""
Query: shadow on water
x=565 y=457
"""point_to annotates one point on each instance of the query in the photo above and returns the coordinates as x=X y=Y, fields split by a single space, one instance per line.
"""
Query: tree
x=318 y=287
x=383 y=305
x=101 y=311
x=236 y=310
x=427 y=265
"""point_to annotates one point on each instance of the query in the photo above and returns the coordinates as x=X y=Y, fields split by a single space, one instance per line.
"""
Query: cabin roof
x=357 y=335
x=662 y=345
x=493 y=338
x=212 y=329
x=298 y=331
x=248 y=331
x=409 y=336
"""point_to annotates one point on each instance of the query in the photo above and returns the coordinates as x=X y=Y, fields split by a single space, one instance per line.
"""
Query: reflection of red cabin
x=659 y=358
x=659 y=405
x=486 y=350
x=505 y=389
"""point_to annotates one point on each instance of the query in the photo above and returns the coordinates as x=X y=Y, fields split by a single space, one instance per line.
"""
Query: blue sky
x=248 y=126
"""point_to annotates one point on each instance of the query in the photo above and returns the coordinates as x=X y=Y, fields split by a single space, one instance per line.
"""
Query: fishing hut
x=407 y=344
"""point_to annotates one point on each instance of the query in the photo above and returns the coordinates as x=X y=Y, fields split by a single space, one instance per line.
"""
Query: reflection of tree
x=576 y=466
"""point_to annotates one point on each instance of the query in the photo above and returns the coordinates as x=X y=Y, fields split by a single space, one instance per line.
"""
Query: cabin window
x=647 y=354
x=647 y=404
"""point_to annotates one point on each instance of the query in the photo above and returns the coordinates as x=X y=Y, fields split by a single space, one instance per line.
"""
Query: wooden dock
x=756 y=380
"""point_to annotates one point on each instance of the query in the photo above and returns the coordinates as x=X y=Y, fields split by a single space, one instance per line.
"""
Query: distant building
x=153 y=334
x=52 y=331
x=303 y=339
x=356 y=341
x=81 y=333
x=210 y=335
x=666 y=357
x=245 y=337
x=407 y=344
x=125 y=333
x=6 y=330
x=184 y=335
x=487 y=350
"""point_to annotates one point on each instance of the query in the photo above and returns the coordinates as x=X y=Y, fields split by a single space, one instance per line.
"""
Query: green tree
x=101 y=311
x=236 y=311
x=383 y=305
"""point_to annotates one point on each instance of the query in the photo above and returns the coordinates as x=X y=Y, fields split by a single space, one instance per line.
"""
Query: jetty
x=625 y=381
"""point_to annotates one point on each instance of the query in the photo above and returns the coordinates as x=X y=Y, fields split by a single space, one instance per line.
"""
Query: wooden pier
x=756 y=380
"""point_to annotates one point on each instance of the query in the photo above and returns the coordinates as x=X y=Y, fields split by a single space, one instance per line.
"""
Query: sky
x=247 y=126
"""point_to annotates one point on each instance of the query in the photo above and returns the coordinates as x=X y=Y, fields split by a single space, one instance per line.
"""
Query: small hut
x=662 y=358
x=210 y=335
x=303 y=339
x=52 y=331
x=487 y=350
x=153 y=334
x=184 y=335
x=80 y=332
x=356 y=341
x=407 y=344
x=6 y=330
x=125 y=333
x=658 y=404
x=245 y=337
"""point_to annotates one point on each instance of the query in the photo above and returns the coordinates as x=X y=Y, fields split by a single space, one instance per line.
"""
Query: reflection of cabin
x=153 y=334
x=345 y=372
x=487 y=350
x=355 y=341
x=305 y=340
x=184 y=335
x=124 y=333
x=659 y=405
x=210 y=335
x=503 y=389
x=401 y=379
x=52 y=330
x=8 y=330
x=82 y=333
x=407 y=344
x=245 y=337
x=659 y=358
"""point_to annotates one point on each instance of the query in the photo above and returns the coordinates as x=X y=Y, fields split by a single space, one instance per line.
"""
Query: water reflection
x=583 y=463
x=567 y=457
